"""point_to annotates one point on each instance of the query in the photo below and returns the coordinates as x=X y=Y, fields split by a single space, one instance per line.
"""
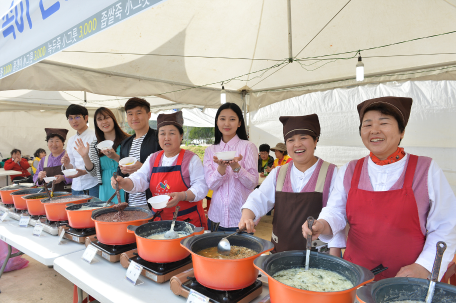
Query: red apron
x=384 y=225
x=169 y=179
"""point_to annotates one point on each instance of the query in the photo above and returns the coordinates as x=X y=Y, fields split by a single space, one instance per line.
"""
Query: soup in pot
x=314 y=279
x=237 y=252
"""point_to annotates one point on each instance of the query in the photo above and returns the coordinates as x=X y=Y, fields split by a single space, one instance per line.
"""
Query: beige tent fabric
x=182 y=50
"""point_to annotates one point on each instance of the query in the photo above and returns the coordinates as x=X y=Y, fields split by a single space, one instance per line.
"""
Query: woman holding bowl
x=103 y=162
x=231 y=180
x=173 y=171
x=50 y=166
x=398 y=205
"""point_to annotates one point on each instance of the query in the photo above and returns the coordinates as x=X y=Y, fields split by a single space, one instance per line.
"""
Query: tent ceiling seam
x=416 y=69
x=256 y=44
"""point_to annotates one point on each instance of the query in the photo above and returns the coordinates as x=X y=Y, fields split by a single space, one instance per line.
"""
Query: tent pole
x=244 y=108
x=85 y=98
x=290 y=41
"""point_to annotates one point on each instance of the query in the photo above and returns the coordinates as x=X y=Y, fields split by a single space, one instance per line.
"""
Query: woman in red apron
x=173 y=171
x=398 y=205
x=296 y=190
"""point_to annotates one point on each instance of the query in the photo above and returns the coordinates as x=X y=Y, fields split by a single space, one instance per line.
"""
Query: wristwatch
x=237 y=169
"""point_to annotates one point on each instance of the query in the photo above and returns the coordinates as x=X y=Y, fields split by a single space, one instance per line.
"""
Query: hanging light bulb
x=360 y=69
x=223 y=95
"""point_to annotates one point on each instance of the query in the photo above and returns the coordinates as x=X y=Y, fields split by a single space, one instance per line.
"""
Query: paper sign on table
x=38 y=229
x=3 y=217
x=133 y=272
x=196 y=297
x=62 y=233
x=89 y=253
x=24 y=221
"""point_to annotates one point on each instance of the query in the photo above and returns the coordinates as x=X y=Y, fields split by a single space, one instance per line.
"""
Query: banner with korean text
x=32 y=30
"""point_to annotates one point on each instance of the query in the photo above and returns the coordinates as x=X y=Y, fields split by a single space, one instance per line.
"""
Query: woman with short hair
x=173 y=171
x=50 y=166
x=39 y=154
x=398 y=205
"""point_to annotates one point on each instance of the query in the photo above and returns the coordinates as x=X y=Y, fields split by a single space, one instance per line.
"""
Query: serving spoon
x=224 y=246
x=171 y=234
x=441 y=246
x=310 y=222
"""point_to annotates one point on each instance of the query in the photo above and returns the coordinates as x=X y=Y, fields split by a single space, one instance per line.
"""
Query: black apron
x=54 y=171
x=291 y=210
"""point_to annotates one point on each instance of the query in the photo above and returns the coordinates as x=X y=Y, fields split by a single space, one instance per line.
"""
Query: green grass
x=198 y=150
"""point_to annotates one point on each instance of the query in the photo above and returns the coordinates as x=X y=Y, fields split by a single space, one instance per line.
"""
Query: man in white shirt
x=83 y=183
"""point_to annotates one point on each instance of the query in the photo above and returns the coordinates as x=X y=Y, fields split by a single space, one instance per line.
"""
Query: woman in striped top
x=103 y=163
x=232 y=181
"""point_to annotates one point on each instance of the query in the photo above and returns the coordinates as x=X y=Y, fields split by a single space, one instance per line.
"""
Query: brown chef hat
x=307 y=125
x=400 y=105
x=57 y=131
x=170 y=119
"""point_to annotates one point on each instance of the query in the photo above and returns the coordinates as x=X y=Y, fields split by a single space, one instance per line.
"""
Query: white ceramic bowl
x=49 y=179
x=69 y=172
x=127 y=161
x=159 y=202
x=226 y=156
x=106 y=144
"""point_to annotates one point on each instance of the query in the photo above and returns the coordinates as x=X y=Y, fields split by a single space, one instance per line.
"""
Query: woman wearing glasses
x=103 y=163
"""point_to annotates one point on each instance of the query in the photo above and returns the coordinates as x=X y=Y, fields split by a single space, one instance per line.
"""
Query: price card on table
x=4 y=216
x=62 y=233
x=196 y=297
x=38 y=229
x=24 y=221
x=89 y=253
x=133 y=272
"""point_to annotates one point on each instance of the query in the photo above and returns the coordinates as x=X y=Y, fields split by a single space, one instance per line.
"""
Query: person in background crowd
x=232 y=181
x=140 y=145
x=50 y=166
x=265 y=161
x=103 y=163
x=174 y=171
x=398 y=205
x=282 y=157
x=83 y=183
x=39 y=154
x=17 y=163
x=297 y=190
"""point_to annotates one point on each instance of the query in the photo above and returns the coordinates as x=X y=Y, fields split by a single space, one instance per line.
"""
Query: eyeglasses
x=75 y=118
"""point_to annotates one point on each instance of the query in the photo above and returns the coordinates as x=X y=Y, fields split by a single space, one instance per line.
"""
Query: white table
x=44 y=249
x=106 y=281
x=7 y=173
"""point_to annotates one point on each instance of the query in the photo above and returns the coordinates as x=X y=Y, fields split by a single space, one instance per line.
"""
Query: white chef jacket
x=198 y=186
x=441 y=222
x=86 y=181
x=262 y=199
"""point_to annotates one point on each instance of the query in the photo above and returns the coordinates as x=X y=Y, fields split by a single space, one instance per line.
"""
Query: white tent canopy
x=192 y=117
x=430 y=130
x=182 y=50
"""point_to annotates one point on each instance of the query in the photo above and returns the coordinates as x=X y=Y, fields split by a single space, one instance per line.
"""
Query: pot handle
x=366 y=275
x=198 y=231
x=365 y=293
x=131 y=229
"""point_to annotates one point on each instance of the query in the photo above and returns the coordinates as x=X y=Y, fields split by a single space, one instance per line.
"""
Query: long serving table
x=8 y=173
x=106 y=282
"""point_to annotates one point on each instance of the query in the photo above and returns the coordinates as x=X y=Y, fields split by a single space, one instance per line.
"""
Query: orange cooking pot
x=34 y=205
x=280 y=292
x=5 y=192
x=18 y=197
x=115 y=233
x=224 y=274
x=78 y=218
x=162 y=250
x=55 y=208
